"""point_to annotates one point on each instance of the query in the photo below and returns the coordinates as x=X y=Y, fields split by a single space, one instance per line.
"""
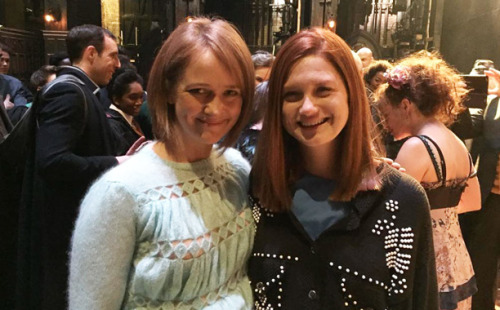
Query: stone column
x=110 y=11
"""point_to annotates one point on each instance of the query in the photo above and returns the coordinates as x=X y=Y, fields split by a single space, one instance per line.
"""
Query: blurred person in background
x=262 y=62
x=126 y=94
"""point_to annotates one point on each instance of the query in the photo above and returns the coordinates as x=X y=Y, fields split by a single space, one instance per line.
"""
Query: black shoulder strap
x=440 y=171
x=71 y=79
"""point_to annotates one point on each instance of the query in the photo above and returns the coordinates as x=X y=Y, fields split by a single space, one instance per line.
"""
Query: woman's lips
x=312 y=124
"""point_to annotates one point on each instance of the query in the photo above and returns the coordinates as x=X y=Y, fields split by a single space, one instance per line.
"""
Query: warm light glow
x=189 y=19
x=331 y=24
x=49 y=18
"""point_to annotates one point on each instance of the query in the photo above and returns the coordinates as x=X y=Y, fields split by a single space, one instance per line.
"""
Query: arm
x=471 y=197
x=425 y=290
x=61 y=122
x=102 y=248
x=422 y=291
x=20 y=95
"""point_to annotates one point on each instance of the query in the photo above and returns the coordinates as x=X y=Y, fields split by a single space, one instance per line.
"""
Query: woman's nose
x=213 y=106
x=308 y=107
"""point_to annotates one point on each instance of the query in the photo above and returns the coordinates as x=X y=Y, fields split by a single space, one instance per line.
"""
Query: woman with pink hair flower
x=422 y=95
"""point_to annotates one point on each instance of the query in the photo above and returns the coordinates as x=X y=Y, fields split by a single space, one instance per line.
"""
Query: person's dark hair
x=259 y=103
x=184 y=44
x=125 y=62
x=120 y=82
x=374 y=68
x=80 y=37
x=278 y=163
x=39 y=77
x=430 y=83
x=57 y=58
x=4 y=47
x=262 y=58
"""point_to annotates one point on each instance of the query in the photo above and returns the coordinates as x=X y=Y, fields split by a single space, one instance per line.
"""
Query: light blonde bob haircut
x=184 y=44
x=278 y=162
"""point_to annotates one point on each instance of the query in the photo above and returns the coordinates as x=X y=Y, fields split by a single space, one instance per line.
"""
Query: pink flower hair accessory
x=398 y=77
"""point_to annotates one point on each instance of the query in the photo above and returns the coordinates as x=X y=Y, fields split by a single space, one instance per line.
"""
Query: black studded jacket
x=380 y=257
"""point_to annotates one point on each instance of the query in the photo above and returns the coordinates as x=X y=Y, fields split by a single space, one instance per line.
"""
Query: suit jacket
x=72 y=147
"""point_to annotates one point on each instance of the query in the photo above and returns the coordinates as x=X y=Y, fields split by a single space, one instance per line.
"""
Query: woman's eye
x=198 y=91
x=292 y=96
x=232 y=93
x=323 y=91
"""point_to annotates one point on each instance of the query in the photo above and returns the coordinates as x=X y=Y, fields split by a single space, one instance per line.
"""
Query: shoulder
x=236 y=159
x=12 y=80
x=406 y=190
x=137 y=171
x=412 y=145
x=115 y=118
x=407 y=200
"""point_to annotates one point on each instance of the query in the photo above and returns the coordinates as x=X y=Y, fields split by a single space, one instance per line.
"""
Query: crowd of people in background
x=133 y=197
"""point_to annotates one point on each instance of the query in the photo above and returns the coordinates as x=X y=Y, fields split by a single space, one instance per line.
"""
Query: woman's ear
x=406 y=105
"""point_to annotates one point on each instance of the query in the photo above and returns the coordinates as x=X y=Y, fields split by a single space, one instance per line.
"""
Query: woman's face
x=377 y=80
x=394 y=118
x=207 y=102
x=131 y=101
x=315 y=107
x=262 y=74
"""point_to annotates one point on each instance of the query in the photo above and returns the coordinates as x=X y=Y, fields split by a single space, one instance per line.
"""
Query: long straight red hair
x=277 y=163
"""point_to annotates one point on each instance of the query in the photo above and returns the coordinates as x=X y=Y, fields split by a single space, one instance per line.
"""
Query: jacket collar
x=79 y=73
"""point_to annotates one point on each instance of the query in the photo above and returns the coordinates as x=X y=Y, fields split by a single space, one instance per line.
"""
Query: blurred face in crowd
x=315 y=107
x=377 y=80
x=366 y=56
x=104 y=64
x=131 y=101
x=206 y=108
x=395 y=119
x=4 y=62
x=262 y=74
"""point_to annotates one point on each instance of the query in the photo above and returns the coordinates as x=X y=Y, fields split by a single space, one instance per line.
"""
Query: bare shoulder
x=413 y=156
x=413 y=144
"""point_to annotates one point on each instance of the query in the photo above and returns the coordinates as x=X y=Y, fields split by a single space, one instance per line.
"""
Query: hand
x=7 y=103
x=495 y=76
x=393 y=164
x=138 y=144
x=122 y=159
x=369 y=184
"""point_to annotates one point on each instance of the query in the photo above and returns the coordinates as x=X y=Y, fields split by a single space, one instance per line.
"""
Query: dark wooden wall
x=27 y=51
x=471 y=31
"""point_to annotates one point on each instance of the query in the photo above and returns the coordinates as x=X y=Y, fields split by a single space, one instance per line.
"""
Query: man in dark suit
x=73 y=146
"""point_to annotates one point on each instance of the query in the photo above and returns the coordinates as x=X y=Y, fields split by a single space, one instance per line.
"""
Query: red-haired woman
x=336 y=227
x=422 y=95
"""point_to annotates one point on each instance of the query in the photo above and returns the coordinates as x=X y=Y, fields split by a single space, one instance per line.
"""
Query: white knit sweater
x=164 y=235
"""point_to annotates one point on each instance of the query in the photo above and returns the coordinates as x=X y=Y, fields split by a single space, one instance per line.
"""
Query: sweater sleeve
x=425 y=292
x=102 y=248
x=423 y=284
